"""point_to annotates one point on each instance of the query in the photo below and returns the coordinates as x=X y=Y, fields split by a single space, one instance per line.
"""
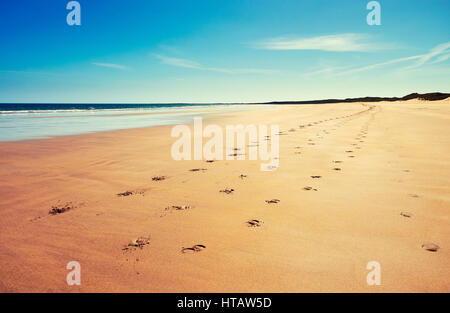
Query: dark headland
x=425 y=96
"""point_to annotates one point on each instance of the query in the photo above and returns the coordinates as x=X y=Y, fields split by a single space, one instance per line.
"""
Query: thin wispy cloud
x=169 y=49
x=30 y=72
x=441 y=52
x=442 y=58
x=327 y=70
x=197 y=66
x=373 y=66
x=436 y=55
x=179 y=62
x=111 y=65
x=337 y=43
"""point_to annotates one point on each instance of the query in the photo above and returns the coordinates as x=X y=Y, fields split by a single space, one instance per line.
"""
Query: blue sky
x=221 y=50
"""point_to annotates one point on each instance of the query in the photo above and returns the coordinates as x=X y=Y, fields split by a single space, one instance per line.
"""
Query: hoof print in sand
x=158 y=178
x=138 y=243
x=198 y=170
x=178 y=207
x=272 y=201
x=125 y=194
x=171 y=208
x=309 y=188
x=227 y=191
x=430 y=247
x=131 y=193
x=59 y=209
x=254 y=223
x=235 y=154
x=193 y=249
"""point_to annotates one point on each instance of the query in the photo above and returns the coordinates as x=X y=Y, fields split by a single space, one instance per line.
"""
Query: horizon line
x=261 y=102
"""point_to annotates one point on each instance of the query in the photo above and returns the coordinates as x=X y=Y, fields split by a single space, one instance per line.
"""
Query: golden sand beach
x=357 y=182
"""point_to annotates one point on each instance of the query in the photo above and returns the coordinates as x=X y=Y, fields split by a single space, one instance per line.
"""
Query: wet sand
x=356 y=183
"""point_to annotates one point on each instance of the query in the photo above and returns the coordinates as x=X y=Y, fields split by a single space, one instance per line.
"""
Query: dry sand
x=311 y=241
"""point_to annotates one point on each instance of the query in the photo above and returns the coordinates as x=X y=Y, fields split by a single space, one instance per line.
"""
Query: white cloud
x=339 y=43
x=111 y=65
x=194 y=65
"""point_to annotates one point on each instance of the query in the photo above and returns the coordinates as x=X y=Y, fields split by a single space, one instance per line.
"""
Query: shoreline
x=45 y=125
x=317 y=239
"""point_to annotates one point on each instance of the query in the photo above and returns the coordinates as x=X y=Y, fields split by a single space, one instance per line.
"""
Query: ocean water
x=33 y=121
